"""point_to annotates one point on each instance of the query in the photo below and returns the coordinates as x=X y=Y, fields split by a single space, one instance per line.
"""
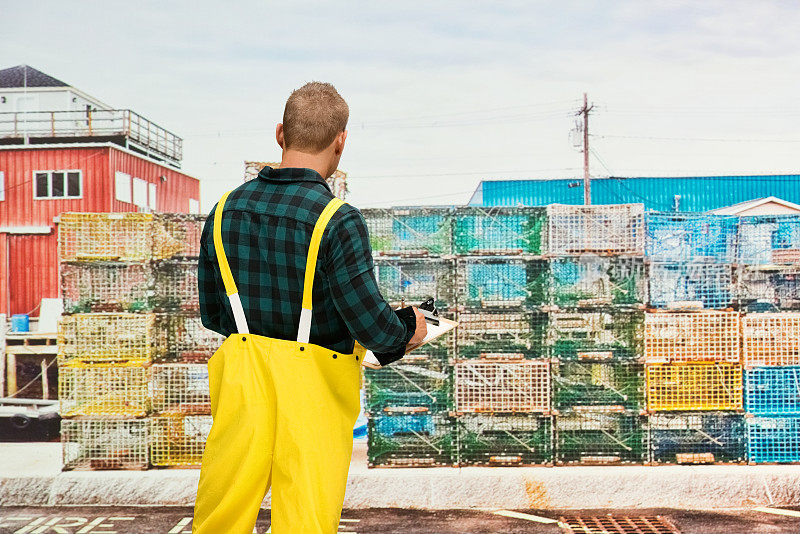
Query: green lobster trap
x=600 y=438
x=504 y=440
x=490 y=333
x=497 y=230
x=420 y=439
x=413 y=383
x=599 y=386
x=596 y=335
x=589 y=281
x=501 y=282
x=418 y=231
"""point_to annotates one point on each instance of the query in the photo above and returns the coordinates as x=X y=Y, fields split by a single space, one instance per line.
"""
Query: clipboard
x=434 y=331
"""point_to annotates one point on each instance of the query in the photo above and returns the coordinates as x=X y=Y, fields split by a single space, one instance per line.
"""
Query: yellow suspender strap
x=225 y=270
x=304 y=330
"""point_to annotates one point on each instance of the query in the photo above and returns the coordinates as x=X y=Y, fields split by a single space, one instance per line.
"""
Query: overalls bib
x=283 y=414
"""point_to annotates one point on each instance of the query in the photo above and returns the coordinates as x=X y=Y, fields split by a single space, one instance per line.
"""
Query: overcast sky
x=441 y=94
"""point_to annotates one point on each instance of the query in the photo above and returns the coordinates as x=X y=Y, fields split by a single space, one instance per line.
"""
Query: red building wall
x=29 y=258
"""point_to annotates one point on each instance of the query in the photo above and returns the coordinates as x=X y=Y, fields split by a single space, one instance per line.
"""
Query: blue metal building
x=690 y=193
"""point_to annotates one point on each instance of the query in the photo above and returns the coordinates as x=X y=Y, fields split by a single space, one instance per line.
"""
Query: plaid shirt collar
x=292 y=174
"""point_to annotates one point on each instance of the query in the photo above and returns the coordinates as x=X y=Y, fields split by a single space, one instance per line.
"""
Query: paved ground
x=176 y=520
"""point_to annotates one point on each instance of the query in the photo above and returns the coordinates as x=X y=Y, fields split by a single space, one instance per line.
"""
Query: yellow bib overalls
x=283 y=415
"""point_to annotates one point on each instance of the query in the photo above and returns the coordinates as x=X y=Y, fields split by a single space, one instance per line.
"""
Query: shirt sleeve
x=350 y=271
x=211 y=305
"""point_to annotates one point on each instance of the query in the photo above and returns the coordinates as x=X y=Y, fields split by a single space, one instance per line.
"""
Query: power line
x=714 y=139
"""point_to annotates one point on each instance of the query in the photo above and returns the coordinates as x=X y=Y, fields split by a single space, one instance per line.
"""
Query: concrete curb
x=693 y=488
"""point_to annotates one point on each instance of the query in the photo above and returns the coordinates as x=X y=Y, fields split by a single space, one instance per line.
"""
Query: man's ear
x=340 y=139
x=279 y=134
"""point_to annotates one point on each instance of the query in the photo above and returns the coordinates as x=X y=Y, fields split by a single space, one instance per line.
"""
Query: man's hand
x=421 y=331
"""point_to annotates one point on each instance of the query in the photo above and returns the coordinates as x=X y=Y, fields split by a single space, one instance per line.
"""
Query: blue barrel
x=20 y=322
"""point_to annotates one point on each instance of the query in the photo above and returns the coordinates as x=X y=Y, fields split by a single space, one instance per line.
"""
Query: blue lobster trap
x=501 y=282
x=769 y=240
x=676 y=237
x=773 y=390
x=418 y=231
x=773 y=439
x=684 y=437
x=709 y=283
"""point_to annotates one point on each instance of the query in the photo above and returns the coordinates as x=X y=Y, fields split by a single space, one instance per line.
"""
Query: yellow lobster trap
x=178 y=440
x=103 y=389
x=105 y=236
x=694 y=386
x=106 y=337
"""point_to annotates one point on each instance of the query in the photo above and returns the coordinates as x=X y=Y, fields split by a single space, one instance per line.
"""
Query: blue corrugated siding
x=701 y=193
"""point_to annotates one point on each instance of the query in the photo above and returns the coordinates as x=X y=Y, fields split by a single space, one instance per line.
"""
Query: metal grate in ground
x=618 y=524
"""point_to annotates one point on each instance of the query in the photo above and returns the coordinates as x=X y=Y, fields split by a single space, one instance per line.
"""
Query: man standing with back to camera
x=285 y=383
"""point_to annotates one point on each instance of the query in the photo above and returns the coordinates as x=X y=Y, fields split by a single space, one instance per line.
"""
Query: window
x=122 y=186
x=57 y=184
x=194 y=206
x=140 y=192
x=2 y=185
x=151 y=196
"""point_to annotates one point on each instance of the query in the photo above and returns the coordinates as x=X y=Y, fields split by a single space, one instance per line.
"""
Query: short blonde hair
x=314 y=115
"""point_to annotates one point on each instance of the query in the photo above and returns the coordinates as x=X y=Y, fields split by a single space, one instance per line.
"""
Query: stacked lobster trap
x=129 y=395
x=595 y=300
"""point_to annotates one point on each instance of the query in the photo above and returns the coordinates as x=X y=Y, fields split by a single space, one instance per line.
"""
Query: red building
x=91 y=159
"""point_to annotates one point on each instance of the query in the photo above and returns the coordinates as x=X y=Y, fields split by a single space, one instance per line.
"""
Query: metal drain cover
x=618 y=524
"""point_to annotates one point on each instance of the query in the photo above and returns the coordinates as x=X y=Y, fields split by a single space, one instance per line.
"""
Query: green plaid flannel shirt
x=266 y=230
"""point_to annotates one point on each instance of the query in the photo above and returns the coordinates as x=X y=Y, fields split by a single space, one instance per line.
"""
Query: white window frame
x=119 y=187
x=50 y=184
x=2 y=186
x=194 y=206
x=152 y=192
x=140 y=199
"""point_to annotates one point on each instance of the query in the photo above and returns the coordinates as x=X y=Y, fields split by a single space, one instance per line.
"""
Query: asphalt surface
x=177 y=520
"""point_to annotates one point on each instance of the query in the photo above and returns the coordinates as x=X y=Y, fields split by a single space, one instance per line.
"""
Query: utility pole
x=587 y=181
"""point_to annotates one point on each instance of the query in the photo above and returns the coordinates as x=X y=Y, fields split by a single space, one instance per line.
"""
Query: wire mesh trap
x=617 y=524
x=773 y=390
x=502 y=386
x=598 y=386
x=697 y=438
x=182 y=338
x=773 y=439
x=597 y=335
x=177 y=235
x=413 y=383
x=176 y=286
x=595 y=281
x=482 y=333
x=694 y=386
x=105 y=236
x=180 y=389
x=769 y=239
x=684 y=337
x=599 y=438
x=679 y=237
x=92 y=443
x=776 y=288
x=707 y=285
x=501 y=282
x=178 y=440
x=106 y=337
x=410 y=231
x=510 y=440
x=106 y=287
x=415 y=279
x=603 y=229
x=410 y=440
x=771 y=339
x=495 y=230
x=103 y=389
